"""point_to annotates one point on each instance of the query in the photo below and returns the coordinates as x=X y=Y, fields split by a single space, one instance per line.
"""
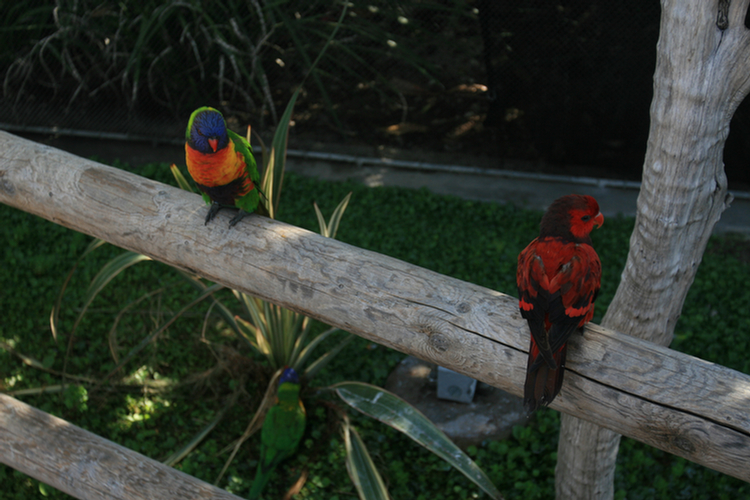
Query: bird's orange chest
x=215 y=169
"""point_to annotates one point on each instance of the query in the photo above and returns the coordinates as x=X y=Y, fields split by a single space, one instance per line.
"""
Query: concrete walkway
x=472 y=178
x=528 y=190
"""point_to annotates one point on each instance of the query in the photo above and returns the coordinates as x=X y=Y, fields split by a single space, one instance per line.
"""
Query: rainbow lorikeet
x=282 y=430
x=558 y=280
x=222 y=164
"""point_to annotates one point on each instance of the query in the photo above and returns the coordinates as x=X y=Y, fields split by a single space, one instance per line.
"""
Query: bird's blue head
x=289 y=375
x=207 y=131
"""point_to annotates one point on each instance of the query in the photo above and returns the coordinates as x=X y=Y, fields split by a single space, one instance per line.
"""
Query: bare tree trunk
x=702 y=74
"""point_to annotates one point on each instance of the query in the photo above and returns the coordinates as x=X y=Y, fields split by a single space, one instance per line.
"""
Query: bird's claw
x=212 y=211
x=238 y=218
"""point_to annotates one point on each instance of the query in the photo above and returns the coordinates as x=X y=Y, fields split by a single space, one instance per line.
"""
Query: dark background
x=561 y=86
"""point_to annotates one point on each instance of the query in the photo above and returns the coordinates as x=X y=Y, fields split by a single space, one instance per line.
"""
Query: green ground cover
x=473 y=241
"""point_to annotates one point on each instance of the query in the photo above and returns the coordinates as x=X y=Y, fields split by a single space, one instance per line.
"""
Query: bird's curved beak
x=599 y=220
x=214 y=143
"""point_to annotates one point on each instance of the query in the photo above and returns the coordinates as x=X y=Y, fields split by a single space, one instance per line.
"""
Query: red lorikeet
x=558 y=280
x=221 y=163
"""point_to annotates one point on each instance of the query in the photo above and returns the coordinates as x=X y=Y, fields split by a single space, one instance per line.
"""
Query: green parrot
x=222 y=164
x=282 y=430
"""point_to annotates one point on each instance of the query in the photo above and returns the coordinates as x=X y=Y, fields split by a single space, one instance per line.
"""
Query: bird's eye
x=586 y=218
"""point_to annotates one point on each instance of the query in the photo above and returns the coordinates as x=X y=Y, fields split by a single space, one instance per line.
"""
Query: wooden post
x=669 y=400
x=702 y=74
x=85 y=465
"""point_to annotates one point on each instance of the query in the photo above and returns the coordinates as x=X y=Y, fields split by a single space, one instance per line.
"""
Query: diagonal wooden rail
x=667 y=399
x=88 y=466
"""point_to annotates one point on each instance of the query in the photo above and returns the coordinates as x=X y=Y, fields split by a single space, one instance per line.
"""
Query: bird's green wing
x=242 y=146
x=250 y=201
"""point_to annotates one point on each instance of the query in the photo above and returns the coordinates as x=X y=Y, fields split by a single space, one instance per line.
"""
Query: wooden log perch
x=675 y=402
x=85 y=465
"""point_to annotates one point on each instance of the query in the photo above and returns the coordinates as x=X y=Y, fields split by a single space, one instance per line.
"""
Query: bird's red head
x=572 y=217
x=583 y=219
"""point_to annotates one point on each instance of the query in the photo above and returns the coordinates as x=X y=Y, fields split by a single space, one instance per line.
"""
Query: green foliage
x=75 y=398
x=644 y=473
x=173 y=54
x=361 y=468
x=400 y=415
x=710 y=316
x=523 y=466
x=417 y=226
x=281 y=336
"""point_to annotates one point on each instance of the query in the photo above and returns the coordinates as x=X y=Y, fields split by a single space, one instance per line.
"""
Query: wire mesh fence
x=565 y=82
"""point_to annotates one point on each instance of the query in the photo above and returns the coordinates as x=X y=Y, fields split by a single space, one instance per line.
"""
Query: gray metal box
x=455 y=386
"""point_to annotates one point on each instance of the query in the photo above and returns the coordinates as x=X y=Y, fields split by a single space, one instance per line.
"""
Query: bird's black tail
x=542 y=382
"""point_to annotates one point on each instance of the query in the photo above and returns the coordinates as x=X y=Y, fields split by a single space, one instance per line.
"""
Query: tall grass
x=176 y=54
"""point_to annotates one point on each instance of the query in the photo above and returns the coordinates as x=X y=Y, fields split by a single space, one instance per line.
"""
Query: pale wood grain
x=664 y=398
x=702 y=74
x=85 y=465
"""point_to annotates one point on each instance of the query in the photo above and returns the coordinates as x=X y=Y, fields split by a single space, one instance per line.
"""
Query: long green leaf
x=281 y=334
x=182 y=182
x=112 y=337
x=54 y=317
x=330 y=228
x=361 y=468
x=150 y=337
x=248 y=332
x=397 y=413
x=200 y=435
x=274 y=172
x=319 y=363
x=269 y=398
x=322 y=224
x=224 y=311
x=309 y=348
x=296 y=358
x=110 y=271
x=297 y=328
x=257 y=331
x=95 y=243
x=256 y=310
x=338 y=213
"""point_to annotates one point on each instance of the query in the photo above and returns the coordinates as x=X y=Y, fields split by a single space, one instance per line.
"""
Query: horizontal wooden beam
x=664 y=398
x=88 y=466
